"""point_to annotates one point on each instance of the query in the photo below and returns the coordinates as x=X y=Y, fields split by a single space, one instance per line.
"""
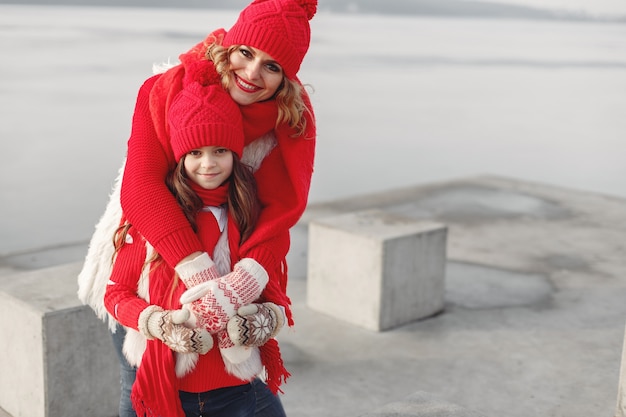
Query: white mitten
x=255 y=324
x=214 y=302
x=242 y=361
x=166 y=325
x=196 y=271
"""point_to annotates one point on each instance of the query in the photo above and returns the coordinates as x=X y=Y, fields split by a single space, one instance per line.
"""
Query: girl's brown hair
x=243 y=205
x=243 y=202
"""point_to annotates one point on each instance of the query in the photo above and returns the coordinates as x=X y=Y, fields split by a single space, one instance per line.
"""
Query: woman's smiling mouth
x=249 y=88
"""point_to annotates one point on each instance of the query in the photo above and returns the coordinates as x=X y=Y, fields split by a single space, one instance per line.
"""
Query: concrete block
x=56 y=356
x=375 y=269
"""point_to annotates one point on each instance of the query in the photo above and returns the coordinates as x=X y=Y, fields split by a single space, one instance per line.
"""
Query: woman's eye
x=273 y=67
x=245 y=53
x=195 y=152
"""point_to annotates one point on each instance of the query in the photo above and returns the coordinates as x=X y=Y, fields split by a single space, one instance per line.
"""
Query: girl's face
x=256 y=75
x=209 y=166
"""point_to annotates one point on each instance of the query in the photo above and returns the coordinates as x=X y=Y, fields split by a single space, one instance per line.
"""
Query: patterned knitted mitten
x=255 y=324
x=214 y=302
x=166 y=325
x=198 y=270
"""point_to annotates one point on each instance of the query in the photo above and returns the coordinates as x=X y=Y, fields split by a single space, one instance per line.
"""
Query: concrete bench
x=376 y=269
x=57 y=358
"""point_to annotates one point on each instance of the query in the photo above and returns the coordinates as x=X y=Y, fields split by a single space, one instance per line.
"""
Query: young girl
x=217 y=193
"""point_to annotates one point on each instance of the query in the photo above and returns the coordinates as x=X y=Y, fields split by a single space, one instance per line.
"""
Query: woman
x=267 y=42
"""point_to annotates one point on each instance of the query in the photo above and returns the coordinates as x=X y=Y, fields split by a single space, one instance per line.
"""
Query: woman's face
x=256 y=75
x=209 y=166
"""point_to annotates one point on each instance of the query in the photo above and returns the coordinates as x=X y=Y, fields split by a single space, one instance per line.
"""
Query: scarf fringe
x=276 y=373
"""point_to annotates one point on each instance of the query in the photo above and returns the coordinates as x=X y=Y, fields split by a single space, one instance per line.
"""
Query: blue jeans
x=238 y=401
x=127 y=374
x=267 y=404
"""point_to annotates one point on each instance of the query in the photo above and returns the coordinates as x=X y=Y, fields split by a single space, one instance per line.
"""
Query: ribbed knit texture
x=120 y=297
x=283 y=185
x=207 y=376
x=143 y=185
x=279 y=28
x=204 y=116
x=157 y=386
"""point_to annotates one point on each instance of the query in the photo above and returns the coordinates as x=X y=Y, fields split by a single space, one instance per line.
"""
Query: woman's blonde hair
x=291 y=106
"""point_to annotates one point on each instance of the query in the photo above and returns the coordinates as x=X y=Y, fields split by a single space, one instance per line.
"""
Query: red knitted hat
x=279 y=28
x=204 y=116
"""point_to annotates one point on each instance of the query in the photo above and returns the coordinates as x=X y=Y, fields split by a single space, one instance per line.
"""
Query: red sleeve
x=283 y=182
x=146 y=201
x=121 y=298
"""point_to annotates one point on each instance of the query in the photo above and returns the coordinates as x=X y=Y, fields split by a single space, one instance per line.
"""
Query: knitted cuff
x=144 y=320
x=264 y=257
x=279 y=313
x=248 y=290
x=177 y=245
x=191 y=272
x=254 y=268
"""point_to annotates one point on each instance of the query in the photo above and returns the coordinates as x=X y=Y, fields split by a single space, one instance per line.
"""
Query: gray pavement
x=535 y=312
x=534 y=317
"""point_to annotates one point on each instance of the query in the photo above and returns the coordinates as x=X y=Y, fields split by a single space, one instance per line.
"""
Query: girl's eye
x=245 y=52
x=221 y=150
x=195 y=152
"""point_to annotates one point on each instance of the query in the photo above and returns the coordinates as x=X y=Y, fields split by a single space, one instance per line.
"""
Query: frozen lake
x=399 y=101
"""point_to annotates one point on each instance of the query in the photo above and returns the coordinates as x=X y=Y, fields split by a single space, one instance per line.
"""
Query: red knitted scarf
x=208 y=228
x=215 y=197
x=155 y=391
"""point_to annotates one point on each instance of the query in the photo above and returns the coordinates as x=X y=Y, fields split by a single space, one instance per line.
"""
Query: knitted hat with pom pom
x=279 y=28
x=204 y=115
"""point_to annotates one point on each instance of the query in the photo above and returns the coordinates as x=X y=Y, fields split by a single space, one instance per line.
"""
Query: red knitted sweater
x=283 y=179
x=122 y=302
x=156 y=388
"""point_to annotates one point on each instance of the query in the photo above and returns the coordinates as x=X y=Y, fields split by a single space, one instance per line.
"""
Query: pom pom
x=202 y=71
x=309 y=6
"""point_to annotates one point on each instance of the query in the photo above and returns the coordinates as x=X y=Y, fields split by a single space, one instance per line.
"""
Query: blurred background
x=405 y=93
